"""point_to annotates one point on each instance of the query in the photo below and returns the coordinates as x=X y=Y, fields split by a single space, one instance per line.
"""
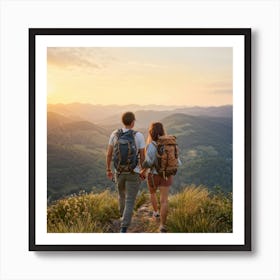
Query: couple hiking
x=134 y=161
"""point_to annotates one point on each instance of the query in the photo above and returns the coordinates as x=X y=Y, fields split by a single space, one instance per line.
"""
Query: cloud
x=87 y=58
x=144 y=64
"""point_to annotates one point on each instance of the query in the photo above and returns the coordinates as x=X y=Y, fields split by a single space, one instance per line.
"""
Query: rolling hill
x=194 y=131
x=99 y=113
x=205 y=146
x=76 y=156
x=111 y=114
x=144 y=117
x=77 y=150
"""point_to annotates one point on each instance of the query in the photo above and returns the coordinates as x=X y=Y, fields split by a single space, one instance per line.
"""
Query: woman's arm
x=150 y=159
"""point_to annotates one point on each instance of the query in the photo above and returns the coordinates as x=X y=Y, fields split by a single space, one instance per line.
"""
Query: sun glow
x=165 y=76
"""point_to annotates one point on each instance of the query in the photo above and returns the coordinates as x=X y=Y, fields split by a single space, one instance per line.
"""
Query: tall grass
x=195 y=209
x=83 y=213
x=142 y=198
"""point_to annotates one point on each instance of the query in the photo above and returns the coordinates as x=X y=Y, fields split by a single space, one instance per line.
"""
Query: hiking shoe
x=123 y=230
x=156 y=215
x=162 y=229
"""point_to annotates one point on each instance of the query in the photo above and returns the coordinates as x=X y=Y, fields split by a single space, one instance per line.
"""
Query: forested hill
x=196 y=131
x=205 y=146
x=77 y=151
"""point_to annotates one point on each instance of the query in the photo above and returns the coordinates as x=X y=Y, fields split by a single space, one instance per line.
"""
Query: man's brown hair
x=128 y=118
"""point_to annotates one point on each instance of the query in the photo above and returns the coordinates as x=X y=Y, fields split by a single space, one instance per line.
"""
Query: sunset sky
x=164 y=76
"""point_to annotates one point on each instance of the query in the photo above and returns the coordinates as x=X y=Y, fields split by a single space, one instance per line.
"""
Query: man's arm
x=108 y=162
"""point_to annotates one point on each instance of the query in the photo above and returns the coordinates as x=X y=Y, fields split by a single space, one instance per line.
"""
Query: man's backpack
x=167 y=156
x=125 y=156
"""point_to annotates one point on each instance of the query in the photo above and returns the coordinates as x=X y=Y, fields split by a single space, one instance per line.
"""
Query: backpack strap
x=164 y=172
x=176 y=151
x=129 y=147
x=134 y=135
x=128 y=155
x=119 y=133
x=154 y=143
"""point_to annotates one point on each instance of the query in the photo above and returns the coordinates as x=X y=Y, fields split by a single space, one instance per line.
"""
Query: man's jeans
x=128 y=186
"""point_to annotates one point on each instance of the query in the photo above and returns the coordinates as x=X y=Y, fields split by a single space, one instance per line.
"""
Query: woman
x=154 y=181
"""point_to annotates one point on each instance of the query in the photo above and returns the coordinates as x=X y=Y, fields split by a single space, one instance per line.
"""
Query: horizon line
x=141 y=105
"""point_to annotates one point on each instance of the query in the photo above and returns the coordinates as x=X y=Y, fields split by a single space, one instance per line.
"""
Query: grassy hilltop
x=194 y=209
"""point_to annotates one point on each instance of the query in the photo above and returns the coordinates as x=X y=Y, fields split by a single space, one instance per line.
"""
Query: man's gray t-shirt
x=139 y=141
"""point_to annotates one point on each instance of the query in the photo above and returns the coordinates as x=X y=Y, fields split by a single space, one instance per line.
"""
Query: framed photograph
x=145 y=132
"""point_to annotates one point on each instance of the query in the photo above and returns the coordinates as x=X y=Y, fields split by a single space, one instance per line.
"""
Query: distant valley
x=78 y=136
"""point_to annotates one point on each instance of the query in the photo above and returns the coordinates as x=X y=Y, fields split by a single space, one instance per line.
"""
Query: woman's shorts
x=155 y=181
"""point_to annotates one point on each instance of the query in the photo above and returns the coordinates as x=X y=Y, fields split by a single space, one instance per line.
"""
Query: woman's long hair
x=156 y=129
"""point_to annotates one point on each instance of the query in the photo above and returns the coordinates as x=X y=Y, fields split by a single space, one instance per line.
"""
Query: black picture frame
x=33 y=35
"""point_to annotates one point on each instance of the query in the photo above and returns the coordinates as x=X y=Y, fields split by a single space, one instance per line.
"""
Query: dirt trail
x=142 y=221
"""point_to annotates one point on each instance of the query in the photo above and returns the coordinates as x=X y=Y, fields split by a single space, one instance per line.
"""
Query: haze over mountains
x=78 y=136
x=111 y=114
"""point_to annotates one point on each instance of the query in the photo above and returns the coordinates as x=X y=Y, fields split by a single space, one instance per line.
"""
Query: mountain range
x=77 y=142
x=110 y=115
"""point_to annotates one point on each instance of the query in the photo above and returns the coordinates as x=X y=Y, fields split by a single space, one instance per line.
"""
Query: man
x=126 y=147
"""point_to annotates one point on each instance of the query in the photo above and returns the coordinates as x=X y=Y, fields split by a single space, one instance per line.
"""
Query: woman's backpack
x=167 y=156
x=125 y=156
